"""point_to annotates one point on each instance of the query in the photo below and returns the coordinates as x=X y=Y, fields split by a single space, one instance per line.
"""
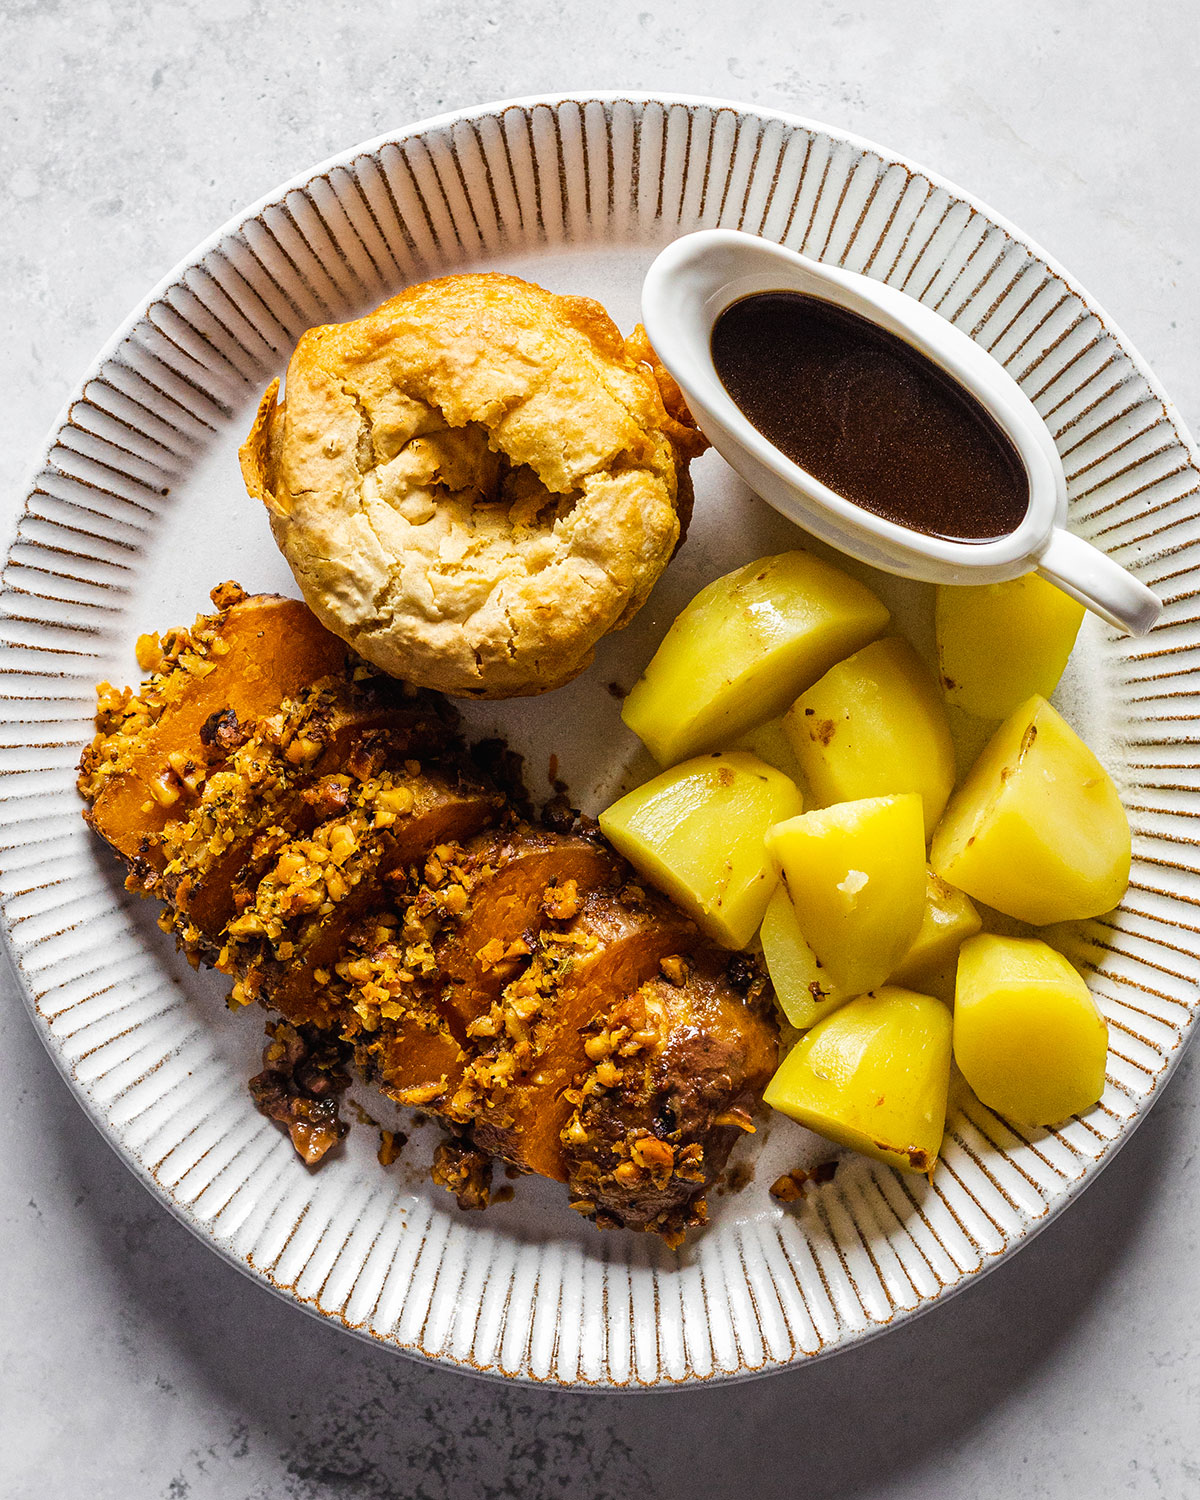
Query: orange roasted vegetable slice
x=155 y=747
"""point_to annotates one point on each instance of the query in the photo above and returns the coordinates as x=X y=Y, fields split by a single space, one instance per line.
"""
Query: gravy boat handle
x=1095 y=580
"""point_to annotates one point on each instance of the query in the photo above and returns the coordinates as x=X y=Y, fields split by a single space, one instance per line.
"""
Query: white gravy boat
x=697 y=277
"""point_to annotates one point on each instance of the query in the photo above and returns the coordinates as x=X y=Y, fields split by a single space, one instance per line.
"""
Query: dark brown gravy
x=869 y=416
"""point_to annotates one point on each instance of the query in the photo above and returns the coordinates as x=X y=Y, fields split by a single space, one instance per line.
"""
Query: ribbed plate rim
x=1064 y=1195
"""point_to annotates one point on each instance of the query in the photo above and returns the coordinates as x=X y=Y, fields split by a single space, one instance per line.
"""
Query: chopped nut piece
x=561 y=902
x=791 y=1185
x=454 y=900
x=249 y=925
x=165 y=789
x=301 y=1085
x=391 y=1143
x=465 y=1171
x=648 y=1151
x=149 y=653
x=302 y=751
x=223 y=730
x=227 y=594
x=675 y=970
x=396 y=799
x=490 y=954
x=342 y=843
x=608 y=1075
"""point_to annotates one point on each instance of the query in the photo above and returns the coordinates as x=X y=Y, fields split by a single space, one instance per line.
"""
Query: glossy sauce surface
x=869 y=416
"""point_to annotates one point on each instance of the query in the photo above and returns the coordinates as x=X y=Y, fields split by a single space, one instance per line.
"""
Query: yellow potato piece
x=875 y=724
x=999 y=643
x=1037 y=830
x=803 y=990
x=769 y=742
x=950 y=918
x=744 y=648
x=873 y=1076
x=1028 y=1037
x=856 y=877
x=698 y=832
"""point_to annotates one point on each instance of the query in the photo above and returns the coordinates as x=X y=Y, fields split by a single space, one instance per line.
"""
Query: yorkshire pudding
x=475 y=482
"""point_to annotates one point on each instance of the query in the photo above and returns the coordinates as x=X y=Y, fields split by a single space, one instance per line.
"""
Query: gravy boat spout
x=697 y=277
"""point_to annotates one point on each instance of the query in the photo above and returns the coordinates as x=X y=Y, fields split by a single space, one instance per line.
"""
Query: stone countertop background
x=134 y=1361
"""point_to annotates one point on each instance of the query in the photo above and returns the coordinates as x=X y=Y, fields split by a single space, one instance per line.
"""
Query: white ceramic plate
x=136 y=509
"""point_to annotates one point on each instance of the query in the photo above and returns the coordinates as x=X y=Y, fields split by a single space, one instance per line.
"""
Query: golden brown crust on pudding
x=476 y=482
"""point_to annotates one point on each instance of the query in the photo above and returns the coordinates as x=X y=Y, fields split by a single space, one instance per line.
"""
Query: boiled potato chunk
x=744 y=648
x=873 y=1076
x=950 y=918
x=803 y=989
x=999 y=643
x=856 y=877
x=1037 y=830
x=769 y=742
x=698 y=833
x=1028 y=1037
x=875 y=724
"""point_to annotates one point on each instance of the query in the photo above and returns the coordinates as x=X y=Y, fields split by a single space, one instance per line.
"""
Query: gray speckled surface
x=134 y=1361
